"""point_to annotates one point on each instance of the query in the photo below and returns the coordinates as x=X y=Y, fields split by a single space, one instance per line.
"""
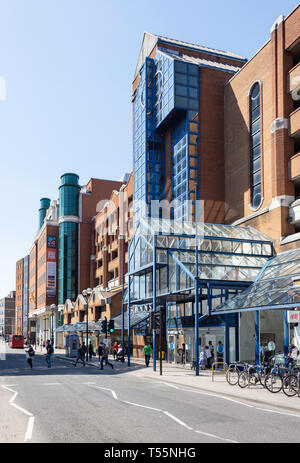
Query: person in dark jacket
x=91 y=350
x=100 y=351
x=104 y=357
x=31 y=354
x=80 y=356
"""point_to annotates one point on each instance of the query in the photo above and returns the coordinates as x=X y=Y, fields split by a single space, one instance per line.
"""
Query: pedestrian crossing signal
x=103 y=328
x=111 y=326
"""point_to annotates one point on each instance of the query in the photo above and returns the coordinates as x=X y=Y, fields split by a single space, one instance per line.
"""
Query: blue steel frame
x=155 y=266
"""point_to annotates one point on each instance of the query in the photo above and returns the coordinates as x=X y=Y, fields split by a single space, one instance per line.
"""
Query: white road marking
x=237 y=402
x=110 y=390
x=167 y=384
x=13 y=397
x=29 y=430
x=52 y=384
x=216 y=437
x=21 y=409
x=8 y=389
x=279 y=413
x=143 y=406
x=167 y=413
x=178 y=421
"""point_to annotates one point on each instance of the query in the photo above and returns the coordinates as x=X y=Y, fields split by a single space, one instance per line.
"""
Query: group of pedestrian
x=102 y=354
x=207 y=355
x=30 y=354
x=118 y=351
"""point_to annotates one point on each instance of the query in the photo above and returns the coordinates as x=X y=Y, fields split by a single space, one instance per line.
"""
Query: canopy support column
x=154 y=304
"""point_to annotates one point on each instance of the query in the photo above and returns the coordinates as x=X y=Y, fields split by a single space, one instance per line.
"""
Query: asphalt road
x=73 y=405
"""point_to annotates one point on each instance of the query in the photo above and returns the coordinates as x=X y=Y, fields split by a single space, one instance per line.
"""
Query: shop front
x=268 y=310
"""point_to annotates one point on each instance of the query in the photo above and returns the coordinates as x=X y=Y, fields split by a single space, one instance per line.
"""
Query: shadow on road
x=15 y=365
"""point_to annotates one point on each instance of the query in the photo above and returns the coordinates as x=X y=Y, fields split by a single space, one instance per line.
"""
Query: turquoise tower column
x=68 y=238
x=45 y=204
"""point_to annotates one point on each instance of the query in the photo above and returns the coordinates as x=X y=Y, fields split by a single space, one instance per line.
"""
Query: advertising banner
x=51 y=266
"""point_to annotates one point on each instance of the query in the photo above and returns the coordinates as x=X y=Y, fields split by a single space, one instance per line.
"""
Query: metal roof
x=276 y=287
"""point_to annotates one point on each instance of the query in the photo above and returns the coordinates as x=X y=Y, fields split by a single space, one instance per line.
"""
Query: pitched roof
x=150 y=40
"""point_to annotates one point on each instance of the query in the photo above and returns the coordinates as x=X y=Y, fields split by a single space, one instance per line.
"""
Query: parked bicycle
x=233 y=372
x=274 y=379
x=291 y=383
x=253 y=375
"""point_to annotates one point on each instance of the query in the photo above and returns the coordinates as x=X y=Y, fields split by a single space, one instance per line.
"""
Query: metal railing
x=224 y=368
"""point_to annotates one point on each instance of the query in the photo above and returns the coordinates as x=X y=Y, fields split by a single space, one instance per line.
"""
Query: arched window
x=255 y=146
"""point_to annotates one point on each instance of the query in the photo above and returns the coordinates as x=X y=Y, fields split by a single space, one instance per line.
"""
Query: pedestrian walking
x=115 y=350
x=84 y=348
x=104 y=357
x=147 y=350
x=91 y=350
x=100 y=351
x=220 y=353
x=212 y=353
x=80 y=355
x=49 y=352
x=30 y=355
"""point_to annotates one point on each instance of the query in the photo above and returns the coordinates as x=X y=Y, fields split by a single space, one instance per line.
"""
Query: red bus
x=16 y=340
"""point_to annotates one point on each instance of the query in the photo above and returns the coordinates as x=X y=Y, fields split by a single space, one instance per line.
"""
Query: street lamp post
x=52 y=307
x=122 y=237
x=86 y=294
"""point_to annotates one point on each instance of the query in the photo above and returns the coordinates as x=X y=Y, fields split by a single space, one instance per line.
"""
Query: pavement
x=182 y=376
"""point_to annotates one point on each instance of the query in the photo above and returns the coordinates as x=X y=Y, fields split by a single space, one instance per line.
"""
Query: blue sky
x=68 y=67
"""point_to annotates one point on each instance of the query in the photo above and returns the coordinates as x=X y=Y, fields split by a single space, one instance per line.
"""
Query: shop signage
x=293 y=316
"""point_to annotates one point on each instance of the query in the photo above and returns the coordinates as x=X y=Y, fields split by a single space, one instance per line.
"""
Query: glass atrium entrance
x=190 y=270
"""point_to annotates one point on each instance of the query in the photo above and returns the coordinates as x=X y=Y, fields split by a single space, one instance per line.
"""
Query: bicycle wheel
x=232 y=376
x=243 y=379
x=273 y=383
x=262 y=376
x=290 y=385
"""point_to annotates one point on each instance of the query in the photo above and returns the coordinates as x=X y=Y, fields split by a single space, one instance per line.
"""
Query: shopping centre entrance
x=191 y=270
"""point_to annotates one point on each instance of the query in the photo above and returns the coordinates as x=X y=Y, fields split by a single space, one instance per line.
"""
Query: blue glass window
x=255 y=134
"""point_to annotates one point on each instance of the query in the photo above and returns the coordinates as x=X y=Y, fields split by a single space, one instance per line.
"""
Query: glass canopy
x=178 y=252
x=276 y=287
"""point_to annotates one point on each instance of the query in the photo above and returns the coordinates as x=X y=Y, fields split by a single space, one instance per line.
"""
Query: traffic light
x=111 y=326
x=103 y=326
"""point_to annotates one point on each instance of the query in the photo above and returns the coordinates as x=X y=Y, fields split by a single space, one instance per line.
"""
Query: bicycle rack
x=225 y=368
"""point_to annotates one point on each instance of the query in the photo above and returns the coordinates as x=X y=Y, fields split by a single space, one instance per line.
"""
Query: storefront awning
x=137 y=316
x=65 y=329
x=276 y=287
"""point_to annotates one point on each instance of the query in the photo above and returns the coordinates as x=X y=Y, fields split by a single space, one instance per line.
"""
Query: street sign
x=293 y=316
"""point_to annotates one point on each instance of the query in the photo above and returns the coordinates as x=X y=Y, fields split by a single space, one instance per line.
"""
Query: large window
x=255 y=124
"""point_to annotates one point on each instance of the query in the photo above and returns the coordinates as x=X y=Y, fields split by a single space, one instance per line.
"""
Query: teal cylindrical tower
x=68 y=237
x=44 y=205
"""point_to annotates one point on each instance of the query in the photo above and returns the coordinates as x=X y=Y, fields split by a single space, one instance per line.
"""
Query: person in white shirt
x=208 y=355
